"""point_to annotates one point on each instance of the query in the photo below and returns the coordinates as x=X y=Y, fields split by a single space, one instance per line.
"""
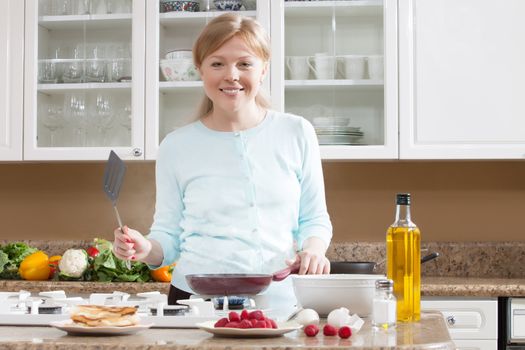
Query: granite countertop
x=430 y=286
x=430 y=333
x=465 y=269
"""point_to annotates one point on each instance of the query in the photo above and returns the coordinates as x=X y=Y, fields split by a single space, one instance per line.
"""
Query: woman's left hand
x=312 y=259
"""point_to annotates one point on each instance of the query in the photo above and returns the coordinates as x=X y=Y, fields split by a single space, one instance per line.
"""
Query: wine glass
x=77 y=106
x=103 y=117
x=124 y=118
x=53 y=120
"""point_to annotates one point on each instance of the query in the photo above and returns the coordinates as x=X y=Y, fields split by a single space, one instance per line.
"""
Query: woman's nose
x=232 y=74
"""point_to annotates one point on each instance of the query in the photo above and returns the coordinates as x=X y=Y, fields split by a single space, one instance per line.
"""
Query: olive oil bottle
x=403 y=251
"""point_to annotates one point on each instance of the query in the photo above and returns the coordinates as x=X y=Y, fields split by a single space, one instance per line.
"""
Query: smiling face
x=232 y=76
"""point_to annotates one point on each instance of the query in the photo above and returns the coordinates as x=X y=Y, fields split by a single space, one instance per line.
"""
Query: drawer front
x=517 y=319
x=467 y=319
x=472 y=344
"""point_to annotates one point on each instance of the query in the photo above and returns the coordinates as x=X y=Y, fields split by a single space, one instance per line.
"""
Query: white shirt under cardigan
x=235 y=202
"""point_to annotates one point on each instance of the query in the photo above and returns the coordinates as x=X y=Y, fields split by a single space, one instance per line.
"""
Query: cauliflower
x=74 y=263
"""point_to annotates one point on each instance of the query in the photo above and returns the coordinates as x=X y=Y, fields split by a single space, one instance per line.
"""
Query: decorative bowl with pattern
x=227 y=5
x=179 y=5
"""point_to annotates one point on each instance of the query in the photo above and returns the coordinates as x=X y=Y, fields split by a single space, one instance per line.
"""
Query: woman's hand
x=130 y=244
x=312 y=258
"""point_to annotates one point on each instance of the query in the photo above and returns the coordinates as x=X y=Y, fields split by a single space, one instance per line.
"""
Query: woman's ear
x=264 y=71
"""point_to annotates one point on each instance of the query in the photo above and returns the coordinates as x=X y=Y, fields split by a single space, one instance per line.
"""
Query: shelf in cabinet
x=106 y=21
x=61 y=88
x=165 y=86
x=333 y=83
x=326 y=8
x=179 y=17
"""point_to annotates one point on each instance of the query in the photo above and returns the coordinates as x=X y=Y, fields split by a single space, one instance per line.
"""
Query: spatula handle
x=118 y=217
x=127 y=262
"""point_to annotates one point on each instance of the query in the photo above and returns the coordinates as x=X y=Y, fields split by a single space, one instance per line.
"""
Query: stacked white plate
x=338 y=135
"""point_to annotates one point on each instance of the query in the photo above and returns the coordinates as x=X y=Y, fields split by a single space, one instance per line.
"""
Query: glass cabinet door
x=174 y=87
x=339 y=69
x=84 y=79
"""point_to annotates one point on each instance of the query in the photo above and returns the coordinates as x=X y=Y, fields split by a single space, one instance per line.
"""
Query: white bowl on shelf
x=324 y=293
x=180 y=69
x=175 y=54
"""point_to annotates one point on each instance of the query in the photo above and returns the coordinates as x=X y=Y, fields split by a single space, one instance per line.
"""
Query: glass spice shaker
x=384 y=304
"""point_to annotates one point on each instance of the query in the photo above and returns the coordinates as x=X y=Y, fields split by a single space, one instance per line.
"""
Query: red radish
x=329 y=330
x=345 y=332
x=311 y=330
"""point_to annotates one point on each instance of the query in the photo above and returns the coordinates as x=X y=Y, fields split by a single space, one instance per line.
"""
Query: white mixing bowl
x=324 y=293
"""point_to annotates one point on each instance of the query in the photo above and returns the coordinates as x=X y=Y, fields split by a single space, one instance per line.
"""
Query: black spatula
x=113 y=178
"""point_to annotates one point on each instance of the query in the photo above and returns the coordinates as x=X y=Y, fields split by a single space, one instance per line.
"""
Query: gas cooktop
x=22 y=308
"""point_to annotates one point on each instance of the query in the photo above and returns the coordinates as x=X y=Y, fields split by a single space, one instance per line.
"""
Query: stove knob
x=451 y=320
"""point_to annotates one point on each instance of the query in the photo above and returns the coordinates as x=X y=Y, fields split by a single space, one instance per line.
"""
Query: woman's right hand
x=130 y=244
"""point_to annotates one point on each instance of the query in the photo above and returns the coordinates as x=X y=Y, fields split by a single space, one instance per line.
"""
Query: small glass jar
x=384 y=304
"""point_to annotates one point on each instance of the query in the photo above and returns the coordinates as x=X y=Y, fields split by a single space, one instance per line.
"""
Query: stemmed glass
x=77 y=106
x=124 y=118
x=53 y=120
x=103 y=117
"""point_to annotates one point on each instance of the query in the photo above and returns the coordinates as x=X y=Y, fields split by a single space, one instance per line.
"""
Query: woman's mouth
x=231 y=91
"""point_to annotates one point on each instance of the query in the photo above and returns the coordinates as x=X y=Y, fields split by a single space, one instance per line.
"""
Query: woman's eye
x=216 y=64
x=246 y=64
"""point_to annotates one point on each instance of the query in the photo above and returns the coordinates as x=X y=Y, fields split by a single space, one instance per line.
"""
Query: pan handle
x=282 y=274
x=429 y=257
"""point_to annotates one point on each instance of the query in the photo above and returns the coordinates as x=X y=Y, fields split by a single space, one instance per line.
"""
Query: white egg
x=307 y=316
x=339 y=317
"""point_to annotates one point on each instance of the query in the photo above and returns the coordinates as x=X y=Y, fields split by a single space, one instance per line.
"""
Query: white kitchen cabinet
x=472 y=323
x=84 y=79
x=171 y=104
x=11 y=79
x=460 y=76
x=335 y=63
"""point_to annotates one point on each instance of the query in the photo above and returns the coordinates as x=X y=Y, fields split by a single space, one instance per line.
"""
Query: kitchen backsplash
x=457 y=259
x=452 y=201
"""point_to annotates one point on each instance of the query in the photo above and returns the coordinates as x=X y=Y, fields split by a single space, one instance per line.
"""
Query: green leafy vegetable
x=4 y=260
x=15 y=252
x=106 y=267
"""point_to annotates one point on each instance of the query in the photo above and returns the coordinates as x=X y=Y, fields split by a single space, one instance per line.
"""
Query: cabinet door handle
x=451 y=320
x=137 y=152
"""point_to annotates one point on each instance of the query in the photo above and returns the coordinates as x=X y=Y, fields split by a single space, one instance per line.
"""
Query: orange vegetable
x=35 y=267
x=162 y=274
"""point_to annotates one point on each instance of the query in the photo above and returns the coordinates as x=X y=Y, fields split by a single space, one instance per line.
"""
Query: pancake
x=100 y=315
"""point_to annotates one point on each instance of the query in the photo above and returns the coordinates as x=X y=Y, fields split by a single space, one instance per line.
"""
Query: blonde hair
x=217 y=32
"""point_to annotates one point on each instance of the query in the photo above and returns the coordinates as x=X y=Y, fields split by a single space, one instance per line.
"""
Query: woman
x=237 y=188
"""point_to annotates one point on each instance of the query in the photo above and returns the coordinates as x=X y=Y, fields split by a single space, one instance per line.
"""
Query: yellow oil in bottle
x=403 y=242
x=404 y=268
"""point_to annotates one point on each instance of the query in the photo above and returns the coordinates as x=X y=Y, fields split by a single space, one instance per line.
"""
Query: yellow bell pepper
x=35 y=267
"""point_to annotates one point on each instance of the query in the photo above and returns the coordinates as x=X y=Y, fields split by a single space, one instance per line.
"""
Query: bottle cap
x=403 y=199
x=384 y=284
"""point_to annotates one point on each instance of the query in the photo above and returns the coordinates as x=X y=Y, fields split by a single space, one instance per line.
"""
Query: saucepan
x=366 y=267
x=235 y=283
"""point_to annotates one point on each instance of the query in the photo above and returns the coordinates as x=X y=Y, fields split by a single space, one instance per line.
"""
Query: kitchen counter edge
x=430 y=286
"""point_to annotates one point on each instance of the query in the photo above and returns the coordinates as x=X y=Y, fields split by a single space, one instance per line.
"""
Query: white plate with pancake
x=283 y=328
x=76 y=329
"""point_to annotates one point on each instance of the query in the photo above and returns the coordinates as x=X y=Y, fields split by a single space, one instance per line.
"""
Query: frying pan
x=366 y=267
x=237 y=284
